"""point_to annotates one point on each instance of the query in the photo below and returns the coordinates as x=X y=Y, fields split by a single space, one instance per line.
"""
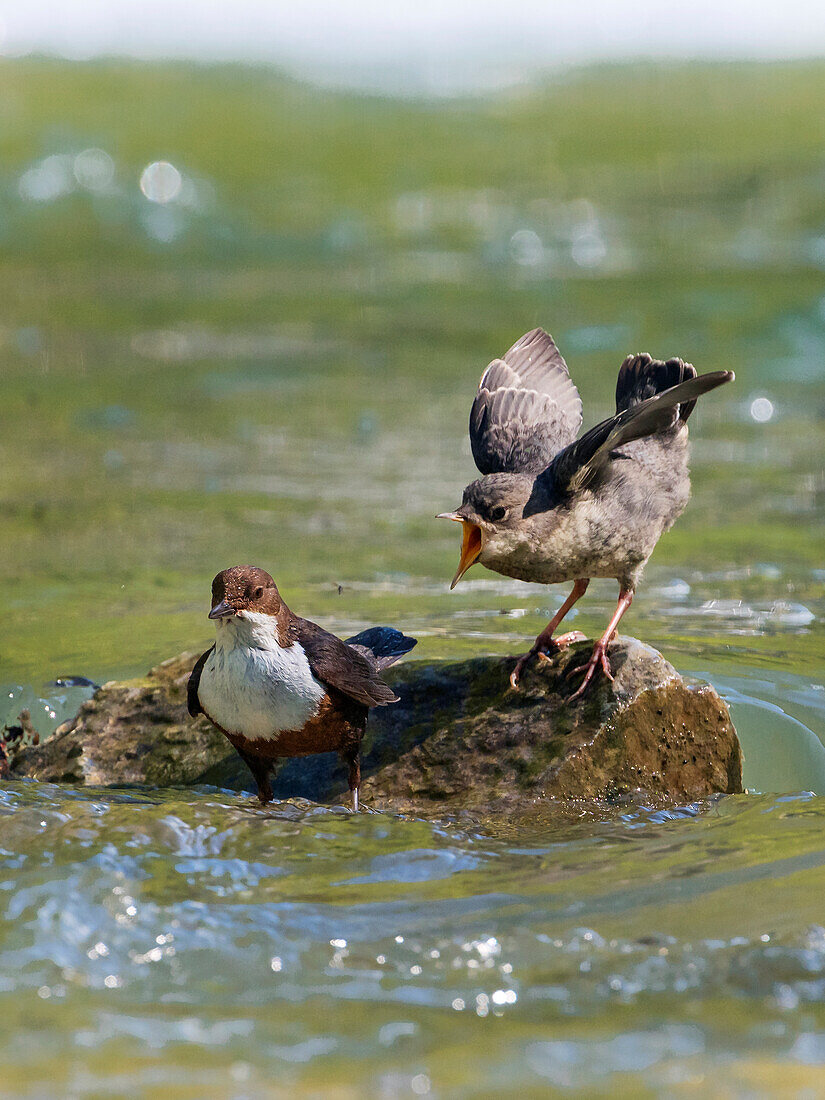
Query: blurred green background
x=273 y=361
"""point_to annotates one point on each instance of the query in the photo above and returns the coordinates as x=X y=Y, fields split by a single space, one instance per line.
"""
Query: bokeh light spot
x=762 y=410
x=94 y=169
x=49 y=179
x=526 y=248
x=161 y=181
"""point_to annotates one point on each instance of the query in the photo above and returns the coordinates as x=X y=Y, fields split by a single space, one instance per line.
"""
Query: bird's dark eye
x=497 y=513
x=257 y=593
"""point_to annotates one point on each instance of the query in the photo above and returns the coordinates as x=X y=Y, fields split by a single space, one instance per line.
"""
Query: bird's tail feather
x=641 y=377
x=575 y=467
x=384 y=645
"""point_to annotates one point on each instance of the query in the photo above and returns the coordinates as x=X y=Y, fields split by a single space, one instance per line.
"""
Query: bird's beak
x=221 y=610
x=470 y=543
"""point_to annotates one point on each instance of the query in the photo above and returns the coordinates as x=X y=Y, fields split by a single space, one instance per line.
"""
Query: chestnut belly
x=332 y=729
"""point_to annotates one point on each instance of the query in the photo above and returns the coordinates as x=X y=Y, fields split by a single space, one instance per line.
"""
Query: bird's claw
x=542 y=649
x=524 y=660
x=598 y=660
x=516 y=673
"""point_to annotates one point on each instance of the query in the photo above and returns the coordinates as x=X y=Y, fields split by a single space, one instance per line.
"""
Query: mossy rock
x=459 y=739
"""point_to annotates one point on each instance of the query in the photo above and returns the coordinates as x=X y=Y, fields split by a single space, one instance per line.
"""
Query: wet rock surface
x=459 y=739
x=14 y=739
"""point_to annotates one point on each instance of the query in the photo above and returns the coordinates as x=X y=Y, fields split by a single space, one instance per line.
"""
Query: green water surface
x=276 y=367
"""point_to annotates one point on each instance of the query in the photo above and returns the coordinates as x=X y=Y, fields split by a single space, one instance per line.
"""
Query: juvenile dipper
x=278 y=685
x=553 y=508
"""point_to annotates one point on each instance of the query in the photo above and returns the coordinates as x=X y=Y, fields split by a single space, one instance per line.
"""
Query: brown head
x=244 y=588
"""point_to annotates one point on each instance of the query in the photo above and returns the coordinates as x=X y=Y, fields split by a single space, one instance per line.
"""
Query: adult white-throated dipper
x=278 y=685
x=553 y=508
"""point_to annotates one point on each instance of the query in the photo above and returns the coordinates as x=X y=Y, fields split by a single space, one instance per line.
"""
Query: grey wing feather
x=526 y=409
x=575 y=467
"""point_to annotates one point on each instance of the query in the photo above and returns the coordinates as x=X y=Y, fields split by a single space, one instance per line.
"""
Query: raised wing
x=526 y=409
x=341 y=666
x=575 y=467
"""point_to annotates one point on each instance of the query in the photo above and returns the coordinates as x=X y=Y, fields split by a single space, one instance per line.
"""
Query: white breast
x=252 y=686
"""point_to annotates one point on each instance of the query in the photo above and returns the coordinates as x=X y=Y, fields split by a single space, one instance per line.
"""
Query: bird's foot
x=544 y=645
x=598 y=660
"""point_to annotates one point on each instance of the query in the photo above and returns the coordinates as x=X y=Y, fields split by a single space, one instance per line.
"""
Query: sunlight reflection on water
x=176 y=910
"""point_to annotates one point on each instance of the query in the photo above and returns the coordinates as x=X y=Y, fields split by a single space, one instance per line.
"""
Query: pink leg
x=546 y=640
x=599 y=655
x=354 y=777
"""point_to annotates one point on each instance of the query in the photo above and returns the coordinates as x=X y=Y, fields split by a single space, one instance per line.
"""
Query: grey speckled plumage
x=551 y=507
